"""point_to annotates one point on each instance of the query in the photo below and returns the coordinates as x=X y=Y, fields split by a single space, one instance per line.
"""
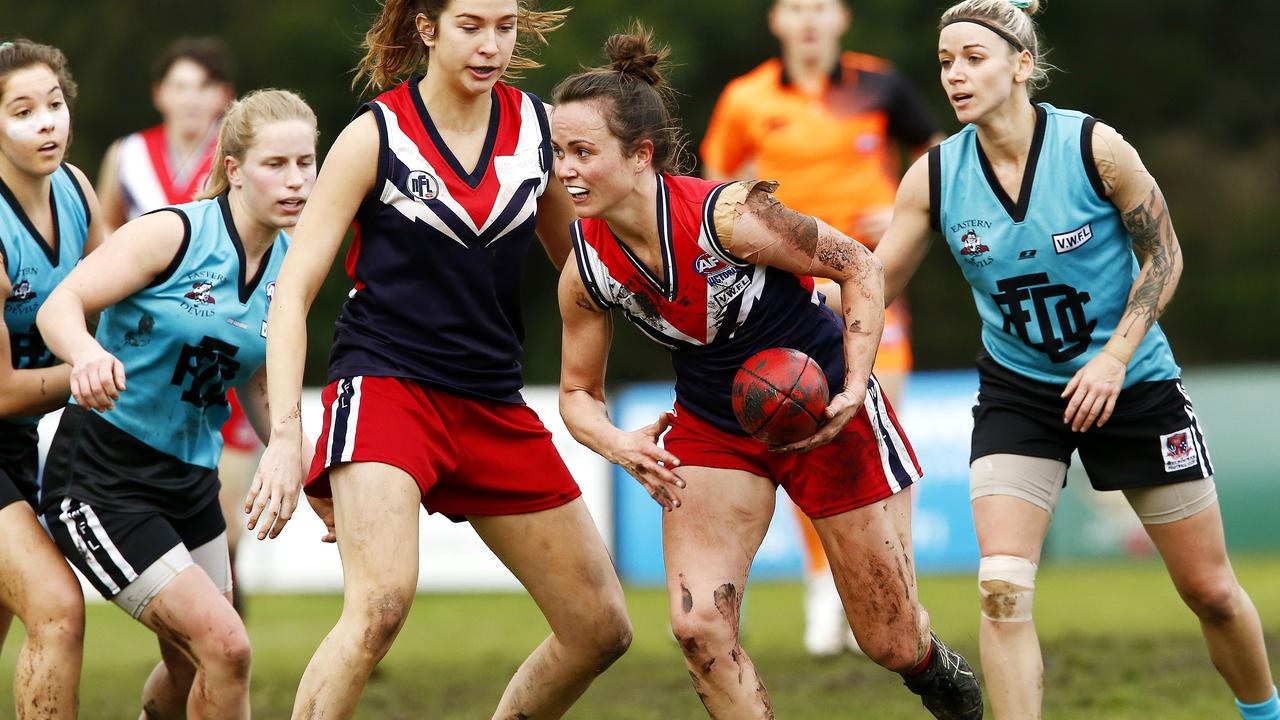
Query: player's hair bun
x=632 y=54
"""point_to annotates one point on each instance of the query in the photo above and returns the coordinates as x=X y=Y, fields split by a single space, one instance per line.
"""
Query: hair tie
x=1020 y=4
x=6 y=45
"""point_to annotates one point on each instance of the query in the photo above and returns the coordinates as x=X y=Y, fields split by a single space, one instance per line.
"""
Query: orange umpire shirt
x=836 y=154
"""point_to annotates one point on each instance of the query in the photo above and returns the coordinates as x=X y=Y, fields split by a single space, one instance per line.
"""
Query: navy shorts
x=1153 y=436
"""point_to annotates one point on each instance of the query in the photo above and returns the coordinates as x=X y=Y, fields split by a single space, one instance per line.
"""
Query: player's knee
x=225 y=654
x=1006 y=586
x=613 y=640
x=380 y=620
x=61 y=619
x=1213 y=600
x=703 y=635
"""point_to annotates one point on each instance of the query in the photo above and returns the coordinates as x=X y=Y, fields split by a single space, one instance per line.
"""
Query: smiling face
x=35 y=123
x=590 y=162
x=471 y=42
x=980 y=71
x=276 y=175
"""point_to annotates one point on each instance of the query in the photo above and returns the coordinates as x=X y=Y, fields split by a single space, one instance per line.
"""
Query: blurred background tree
x=1187 y=81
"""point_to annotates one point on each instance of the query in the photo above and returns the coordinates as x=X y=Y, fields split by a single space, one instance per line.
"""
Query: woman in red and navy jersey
x=447 y=177
x=717 y=272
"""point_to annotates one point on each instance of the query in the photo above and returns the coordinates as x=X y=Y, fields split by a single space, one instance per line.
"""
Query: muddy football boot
x=947 y=686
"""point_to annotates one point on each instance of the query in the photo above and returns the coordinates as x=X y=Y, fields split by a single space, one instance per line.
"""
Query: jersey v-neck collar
x=666 y=285
x=473 y=178
x=1017 y=211
x=50 y=249
x=245 y=288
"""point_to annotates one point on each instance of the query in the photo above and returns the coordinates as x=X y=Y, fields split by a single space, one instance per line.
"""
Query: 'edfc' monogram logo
x=208 y=365
x=423 y=185
x=1054 y=306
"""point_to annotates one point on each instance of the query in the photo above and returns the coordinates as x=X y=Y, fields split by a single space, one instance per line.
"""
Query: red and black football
x=779 y=396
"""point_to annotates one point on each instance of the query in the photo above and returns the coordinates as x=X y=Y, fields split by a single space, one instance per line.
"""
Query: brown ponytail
x=394 y=51
x=633 y=96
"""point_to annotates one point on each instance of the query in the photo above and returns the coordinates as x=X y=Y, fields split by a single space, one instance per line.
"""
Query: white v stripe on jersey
x=138 y=176
x=404 y=149
x=414 y=210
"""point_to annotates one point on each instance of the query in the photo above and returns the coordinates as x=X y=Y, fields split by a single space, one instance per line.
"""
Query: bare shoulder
x=572 y=291
x=913 y=191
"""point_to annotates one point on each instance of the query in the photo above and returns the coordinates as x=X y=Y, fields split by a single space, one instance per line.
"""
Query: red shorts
x=868 y=462
x=468 y=456
x=237 y=433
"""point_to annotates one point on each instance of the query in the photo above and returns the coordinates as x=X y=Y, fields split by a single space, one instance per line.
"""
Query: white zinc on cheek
x=28 y=129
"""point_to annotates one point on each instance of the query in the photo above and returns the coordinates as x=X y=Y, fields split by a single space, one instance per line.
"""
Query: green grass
x=1118 y=645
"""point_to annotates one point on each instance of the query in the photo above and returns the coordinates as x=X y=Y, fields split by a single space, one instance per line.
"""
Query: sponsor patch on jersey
x=422 y=185
x=1068 y=241
x=517 y=168
x=867 y=142
x=717 y=271
x=1179 y=450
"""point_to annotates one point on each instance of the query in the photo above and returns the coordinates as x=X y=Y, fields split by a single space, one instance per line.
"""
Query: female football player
x=718 y=272
x=447 y=177
x=1067 y=243
x=131 y=483
x=48 y=220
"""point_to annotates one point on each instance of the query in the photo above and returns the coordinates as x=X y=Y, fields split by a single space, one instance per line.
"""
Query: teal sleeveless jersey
x=1051 y=273
x=197 y=330
x=35 y=269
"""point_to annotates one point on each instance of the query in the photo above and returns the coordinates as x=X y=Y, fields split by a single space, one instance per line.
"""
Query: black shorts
x=105 y=467
x=1153 y=436
x=113 y=548
x=19 y=464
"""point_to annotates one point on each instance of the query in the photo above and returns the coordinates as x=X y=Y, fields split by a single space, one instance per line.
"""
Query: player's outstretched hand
x=273 y=496
x=97 y=379
x=323 y=507
x=839 y=412
x=1091 y=394
x=638 y=453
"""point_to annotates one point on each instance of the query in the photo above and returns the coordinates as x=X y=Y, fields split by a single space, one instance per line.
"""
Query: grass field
x=1118 y=645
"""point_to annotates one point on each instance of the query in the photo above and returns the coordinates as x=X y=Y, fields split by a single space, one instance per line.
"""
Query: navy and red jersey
x=439 y=251
x=711 y=309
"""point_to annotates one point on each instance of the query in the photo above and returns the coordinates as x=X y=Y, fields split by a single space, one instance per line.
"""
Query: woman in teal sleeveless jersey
x=131 y=490
x=48 y=219
x=1068 y=246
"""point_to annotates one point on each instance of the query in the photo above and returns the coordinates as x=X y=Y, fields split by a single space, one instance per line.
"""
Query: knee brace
x=1006 y=584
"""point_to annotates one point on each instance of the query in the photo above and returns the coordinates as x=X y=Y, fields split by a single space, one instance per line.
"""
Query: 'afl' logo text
x=423 y=185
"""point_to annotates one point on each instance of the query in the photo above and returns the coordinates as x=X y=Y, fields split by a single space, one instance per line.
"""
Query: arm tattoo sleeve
x=1153 y=239
x=803 y=235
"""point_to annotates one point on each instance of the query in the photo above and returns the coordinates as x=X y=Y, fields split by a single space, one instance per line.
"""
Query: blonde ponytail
x=240 y=126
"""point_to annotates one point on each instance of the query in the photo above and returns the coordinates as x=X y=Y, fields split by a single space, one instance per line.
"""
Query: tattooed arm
x=1093 y=390
x=587 y=335
x=1146 y=216
x=755 y=227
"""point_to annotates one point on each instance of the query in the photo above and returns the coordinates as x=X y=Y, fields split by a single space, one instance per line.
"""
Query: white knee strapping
x=1007 y=584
